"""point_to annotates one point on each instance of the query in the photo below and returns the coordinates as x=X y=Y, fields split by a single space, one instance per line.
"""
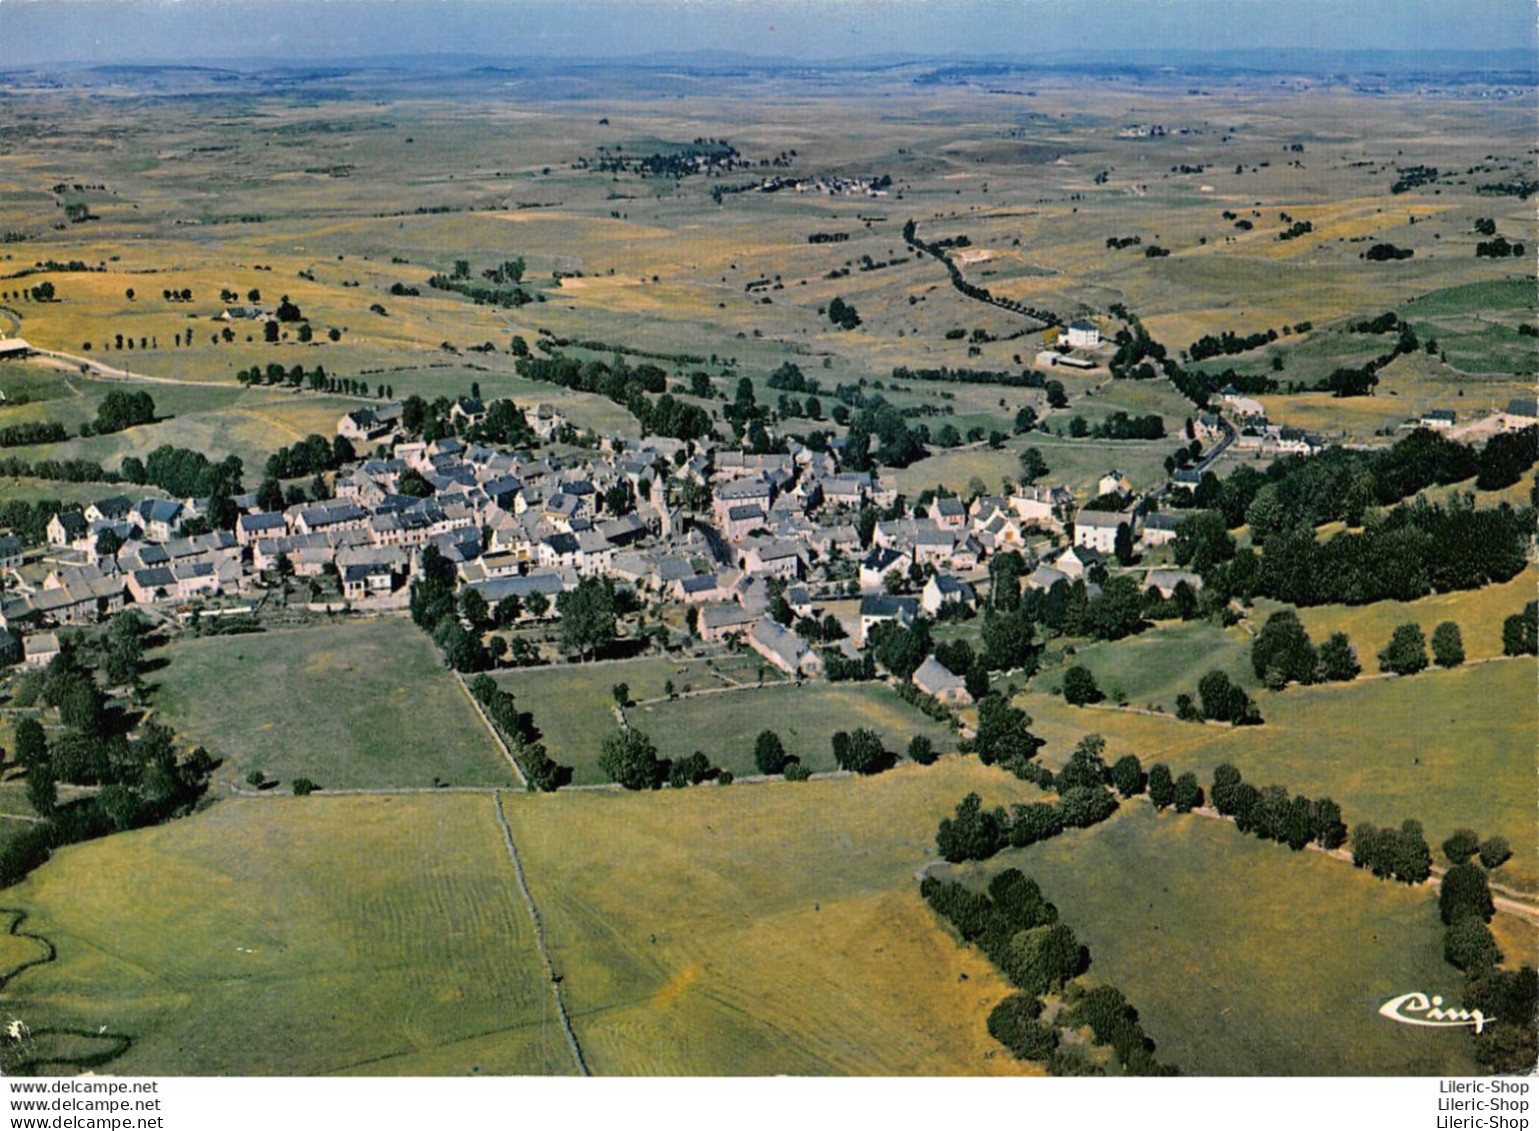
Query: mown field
x=762 y=929
x=1243 y=958
x=350 y=704
x=295 y=937
x=1450 y=748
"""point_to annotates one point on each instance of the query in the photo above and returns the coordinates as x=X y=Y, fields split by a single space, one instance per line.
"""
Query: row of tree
x=1508 y=999
x=521 y=736
x=1271 y=814
x=975 y=833
x=32 y=432
x=1022 y=935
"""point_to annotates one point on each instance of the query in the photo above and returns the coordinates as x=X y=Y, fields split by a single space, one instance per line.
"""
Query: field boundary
x=518 y=774
x=1506 y=899
x=539 y=937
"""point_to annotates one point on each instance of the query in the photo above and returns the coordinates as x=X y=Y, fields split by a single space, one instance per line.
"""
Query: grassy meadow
x=1450 y=748
x=1243 y=958
x=352 y=704
x=724 y=726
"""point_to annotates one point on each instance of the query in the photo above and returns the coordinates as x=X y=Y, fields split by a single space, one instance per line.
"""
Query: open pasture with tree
x=1479 y=613
x=1154 y=666
x=724 y=727
x=1243 y=958
x=1451 y=748
x=573 y=704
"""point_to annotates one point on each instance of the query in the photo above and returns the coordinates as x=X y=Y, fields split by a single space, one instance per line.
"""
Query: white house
x=878 y=565
x=1097 y=530
x=944 y=589
x=1081 y=335
x=1159 y=528
x=1114 y=483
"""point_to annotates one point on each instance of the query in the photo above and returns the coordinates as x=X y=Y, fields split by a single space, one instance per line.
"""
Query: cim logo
x=1418 y=1009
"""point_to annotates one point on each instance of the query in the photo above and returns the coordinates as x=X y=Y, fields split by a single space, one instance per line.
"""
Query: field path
x=1503 y=897
x=63 y=360
x=539 y=937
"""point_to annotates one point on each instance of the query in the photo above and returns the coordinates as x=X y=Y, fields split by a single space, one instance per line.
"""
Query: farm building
x=934 y=679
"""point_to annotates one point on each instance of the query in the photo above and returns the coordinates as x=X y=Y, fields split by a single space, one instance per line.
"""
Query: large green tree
x=1406 y=652
x=587 y=616
x=630 y=758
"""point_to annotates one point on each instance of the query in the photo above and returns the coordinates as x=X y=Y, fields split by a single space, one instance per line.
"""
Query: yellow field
x=762 y=929
x=1479 y=613
x=1450 y=748
x=296 y=937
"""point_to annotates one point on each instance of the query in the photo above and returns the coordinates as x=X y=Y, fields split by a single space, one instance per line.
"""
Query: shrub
x=1084 y=806
x=861 y=752
x=1494 y=852
x=630 y=759
x=1031 y=823
x=1406 y=652
x=1463 y=844
x=1079 y=687
x=303 y=787
x=795 y=771
x=1465 y=892
x=1188 y=794
x=769 y=753
x=1128 y=775
x=1470 y=946
x=1447 y=645
x=921 y=750
x=1520 y=632
x=1282 y=647
x=1013 y=1023
x=1338 y=662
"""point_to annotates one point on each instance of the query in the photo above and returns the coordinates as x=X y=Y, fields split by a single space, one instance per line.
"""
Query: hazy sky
x=34 y=31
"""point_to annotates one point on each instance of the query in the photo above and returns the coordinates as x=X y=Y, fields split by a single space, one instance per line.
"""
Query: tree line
x=626 y=386
x=1509 y=999
x=1021 y=934
x=521 y=736
x=1342 y=485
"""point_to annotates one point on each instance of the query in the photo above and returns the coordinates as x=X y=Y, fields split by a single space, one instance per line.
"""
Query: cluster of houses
x=516 y=524
x=1254 y=433
x=828 y=185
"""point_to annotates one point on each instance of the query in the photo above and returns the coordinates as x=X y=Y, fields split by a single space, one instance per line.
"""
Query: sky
x=103 y=31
